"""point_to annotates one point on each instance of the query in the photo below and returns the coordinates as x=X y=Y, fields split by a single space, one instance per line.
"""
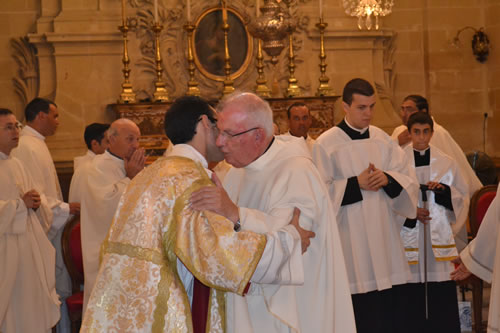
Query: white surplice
x=369 y=231
x=444 y=142
x=311 y=292
x=28 y=302
x=441 y=247
x=81 y=160
x=106 y=181
x=79 y=176
x=34 y=154
x=482 y=258
x=309 y=141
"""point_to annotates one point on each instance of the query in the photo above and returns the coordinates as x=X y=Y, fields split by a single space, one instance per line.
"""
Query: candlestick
x=156 y=10
x=161 y=93
x=324 y=88
x=188 y=9
x=261 y=89
x=321 y=9
x=193 y=89
x=228 y=82
x=293 y=89
x=127 y=95
x=257 y=8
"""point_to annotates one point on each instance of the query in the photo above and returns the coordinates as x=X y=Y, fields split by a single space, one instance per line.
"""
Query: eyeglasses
x=230 y=136
x=11 y=127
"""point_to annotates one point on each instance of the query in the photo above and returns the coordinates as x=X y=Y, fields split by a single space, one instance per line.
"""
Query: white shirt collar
x=90 y=153
x=4 y=156
x=422 y=152
x=33 y=132
x=188 y=151
x=361 y=131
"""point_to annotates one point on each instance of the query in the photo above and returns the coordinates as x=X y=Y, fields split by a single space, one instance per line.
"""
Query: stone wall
x=79 y=54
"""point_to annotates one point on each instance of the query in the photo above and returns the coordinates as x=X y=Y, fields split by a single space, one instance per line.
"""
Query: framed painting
x=209 y=46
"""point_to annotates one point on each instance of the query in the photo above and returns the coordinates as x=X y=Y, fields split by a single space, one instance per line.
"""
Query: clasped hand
x=32 y=199
x=372 y=179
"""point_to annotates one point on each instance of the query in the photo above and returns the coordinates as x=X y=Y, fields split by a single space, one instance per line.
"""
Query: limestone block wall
x=79 y=56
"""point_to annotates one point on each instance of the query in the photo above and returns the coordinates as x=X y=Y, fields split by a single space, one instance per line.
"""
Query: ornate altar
x=149 y=117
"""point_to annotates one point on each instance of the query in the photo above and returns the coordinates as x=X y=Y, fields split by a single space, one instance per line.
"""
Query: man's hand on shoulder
x=135 y=164
x=215 y=199
x=305 y=235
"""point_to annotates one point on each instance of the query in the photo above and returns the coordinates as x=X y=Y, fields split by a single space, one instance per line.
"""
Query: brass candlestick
x=193 y=89
x=293 y=89
x=324 y=88
x=228 y=82
x=127 y=95
x=161 y=93
x=261 y=89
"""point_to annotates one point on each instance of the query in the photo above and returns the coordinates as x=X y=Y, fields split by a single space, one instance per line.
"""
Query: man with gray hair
x=104 y=180
x=270 y=176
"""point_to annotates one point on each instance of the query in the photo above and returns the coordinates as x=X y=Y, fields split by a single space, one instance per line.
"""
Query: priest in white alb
x=28 y=302
x=42 y=120
x=270 y=176
x=105 y=180
x=370 y=183
x=167 y=267
x=482 y=258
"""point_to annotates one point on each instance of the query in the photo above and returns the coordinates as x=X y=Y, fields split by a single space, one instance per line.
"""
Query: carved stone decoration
x=27 y=81
x=385 y=89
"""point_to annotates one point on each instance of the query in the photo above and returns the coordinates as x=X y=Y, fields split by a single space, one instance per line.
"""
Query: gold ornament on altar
x=272 y=27
x=366 y=9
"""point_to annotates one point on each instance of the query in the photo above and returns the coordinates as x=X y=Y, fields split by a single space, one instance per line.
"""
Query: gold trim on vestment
x=446 y=258
x=443 y=246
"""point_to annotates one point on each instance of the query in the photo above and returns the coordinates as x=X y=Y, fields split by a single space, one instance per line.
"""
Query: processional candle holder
x=161 y=93
x=193 y=89
x=324 y=88
x=127 y=95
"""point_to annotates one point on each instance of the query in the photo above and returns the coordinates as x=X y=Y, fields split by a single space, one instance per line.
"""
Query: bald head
x=123 y=135
x=245 y=128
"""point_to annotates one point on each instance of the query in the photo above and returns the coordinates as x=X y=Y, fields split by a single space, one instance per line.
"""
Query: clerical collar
x=31 y=131
x=353 y=133
x=270 y=144
x=422 y=157
x=110 y=153
x=190 y=152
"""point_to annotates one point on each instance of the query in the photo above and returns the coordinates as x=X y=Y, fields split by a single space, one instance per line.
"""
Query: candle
x=224 y=12
x=156 y=10
x=188 y=8
x=257 y=8
x=123 y=12
x=321 y=9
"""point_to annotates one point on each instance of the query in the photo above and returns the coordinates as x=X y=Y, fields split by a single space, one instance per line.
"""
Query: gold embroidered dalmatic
x=138 y=288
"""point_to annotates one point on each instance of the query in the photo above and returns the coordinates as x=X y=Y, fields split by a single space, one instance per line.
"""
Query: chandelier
x=366 y=10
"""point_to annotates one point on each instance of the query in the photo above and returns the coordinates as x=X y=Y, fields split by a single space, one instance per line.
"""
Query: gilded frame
x=214 y=70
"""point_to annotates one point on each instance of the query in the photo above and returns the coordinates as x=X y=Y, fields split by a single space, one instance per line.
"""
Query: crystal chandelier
x=365 y=9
